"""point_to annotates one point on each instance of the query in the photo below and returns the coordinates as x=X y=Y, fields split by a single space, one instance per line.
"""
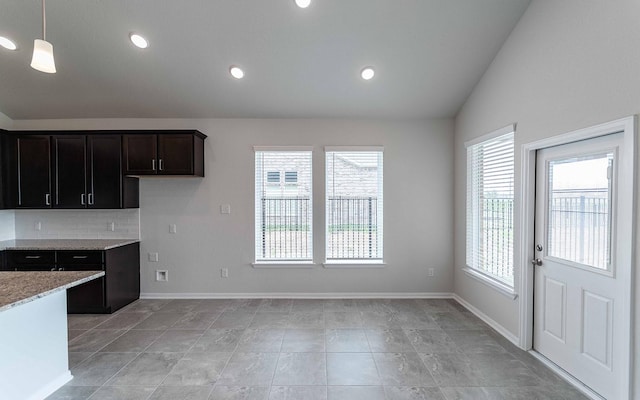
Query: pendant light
x=42 y=50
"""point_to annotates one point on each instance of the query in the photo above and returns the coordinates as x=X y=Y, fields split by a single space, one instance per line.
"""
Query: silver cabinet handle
x=82 y=199
x=53 y=269
x=47 y=199
x=32 y=257
x=60 y=269
x=161 y=165
x=79 y=257
x=153 y=164
x=90 y=199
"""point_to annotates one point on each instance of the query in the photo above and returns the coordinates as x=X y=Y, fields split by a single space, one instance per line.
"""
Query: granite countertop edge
x=65 y=244
x=94 y=275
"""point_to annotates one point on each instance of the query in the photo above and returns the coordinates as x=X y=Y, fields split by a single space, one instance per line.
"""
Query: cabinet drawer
x=80 y=257
x=26 y=257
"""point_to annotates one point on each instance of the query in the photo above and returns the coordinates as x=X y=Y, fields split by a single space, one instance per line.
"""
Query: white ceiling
x=299 y=63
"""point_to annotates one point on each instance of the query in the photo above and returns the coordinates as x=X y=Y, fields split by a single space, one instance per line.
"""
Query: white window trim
x=353 y=148
x=284 y=264
x=491 y=135
x=354 y=263
x=350 y=263
x=499 y=286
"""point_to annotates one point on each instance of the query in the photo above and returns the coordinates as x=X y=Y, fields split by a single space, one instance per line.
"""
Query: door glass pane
x=579 y=220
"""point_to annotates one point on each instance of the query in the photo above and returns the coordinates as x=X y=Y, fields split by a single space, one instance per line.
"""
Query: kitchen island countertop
x=21 y=287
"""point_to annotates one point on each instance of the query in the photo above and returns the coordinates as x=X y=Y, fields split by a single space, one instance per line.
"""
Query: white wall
x=568 y=64
x=418 y=207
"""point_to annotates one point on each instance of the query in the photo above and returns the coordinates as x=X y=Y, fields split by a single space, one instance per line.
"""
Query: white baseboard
x=489 y=321
x=295 y=295
x=51 y=387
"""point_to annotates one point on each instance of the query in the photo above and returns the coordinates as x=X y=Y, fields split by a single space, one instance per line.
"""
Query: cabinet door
x=175 y=154
x=70 y=160
x=140 y=154
x=104 y=177
x=33 y=171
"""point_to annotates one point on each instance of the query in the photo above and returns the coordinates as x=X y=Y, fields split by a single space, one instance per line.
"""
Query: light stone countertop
x=64 y=244
x=18 y=288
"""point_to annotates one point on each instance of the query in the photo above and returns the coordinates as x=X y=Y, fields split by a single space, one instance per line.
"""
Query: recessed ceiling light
x=367 y=73
x=7 y=43
x=138 y=41
x=236 y=72
x=303 y=3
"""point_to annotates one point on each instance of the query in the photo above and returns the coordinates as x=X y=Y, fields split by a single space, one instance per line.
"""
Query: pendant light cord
x=44 y=22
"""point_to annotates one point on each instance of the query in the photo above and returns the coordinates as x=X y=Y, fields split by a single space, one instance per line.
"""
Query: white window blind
x=283 y=208
x=354 y=205
x=490 y=174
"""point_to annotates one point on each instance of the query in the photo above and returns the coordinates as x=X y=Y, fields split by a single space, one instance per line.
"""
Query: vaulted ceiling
x=299 y=63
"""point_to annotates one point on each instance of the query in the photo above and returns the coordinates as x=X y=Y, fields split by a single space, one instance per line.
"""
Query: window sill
x=354 y=264
x=283 y=264
x=498 y=286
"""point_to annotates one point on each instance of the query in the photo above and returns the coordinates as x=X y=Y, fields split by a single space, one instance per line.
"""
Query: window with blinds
x=354 y=205
x=490 y=175
x=283 y=207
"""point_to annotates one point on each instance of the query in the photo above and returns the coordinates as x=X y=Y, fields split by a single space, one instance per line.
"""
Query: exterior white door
x=580 y=295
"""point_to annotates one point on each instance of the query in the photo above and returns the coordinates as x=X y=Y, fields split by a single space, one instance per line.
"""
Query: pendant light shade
x=43 y=57
x=42 y=50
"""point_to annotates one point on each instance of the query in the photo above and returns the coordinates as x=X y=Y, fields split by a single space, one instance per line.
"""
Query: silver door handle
x=160 y=164
x=153 y=164
x=90 y=199
x=47 y=199
x=82 y=199
x=536 y=261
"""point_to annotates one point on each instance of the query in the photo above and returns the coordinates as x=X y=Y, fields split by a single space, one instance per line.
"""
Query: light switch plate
x=153 y=257
x=173 y=228
x=225 y=209
x=111 y=226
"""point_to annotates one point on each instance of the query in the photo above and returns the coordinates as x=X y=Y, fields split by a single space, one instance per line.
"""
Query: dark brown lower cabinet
x=119 y=287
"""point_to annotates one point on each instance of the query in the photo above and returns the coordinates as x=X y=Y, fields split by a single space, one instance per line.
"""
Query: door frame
x=525 y=235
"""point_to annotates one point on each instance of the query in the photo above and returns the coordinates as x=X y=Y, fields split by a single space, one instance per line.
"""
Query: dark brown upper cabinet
x=164 y=153
x=3 y=170
x=88 y=173
x=29 y=179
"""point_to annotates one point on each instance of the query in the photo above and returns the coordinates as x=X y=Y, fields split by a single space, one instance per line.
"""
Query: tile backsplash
x=77 y=224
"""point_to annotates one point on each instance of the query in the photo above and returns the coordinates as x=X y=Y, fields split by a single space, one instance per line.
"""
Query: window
x=354 y=205
x=273 y=177
x=490 y=176
x=283 y=213
x=291 y=177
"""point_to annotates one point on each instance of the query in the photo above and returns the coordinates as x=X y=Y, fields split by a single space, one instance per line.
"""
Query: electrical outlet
x=111 y=226
x=225 y=209
x=153 y=257
x=224 y=272
x=432 y=272
x=38 y=226
x=173 y=228
x=162 y=275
